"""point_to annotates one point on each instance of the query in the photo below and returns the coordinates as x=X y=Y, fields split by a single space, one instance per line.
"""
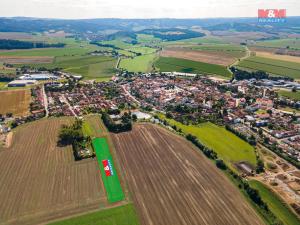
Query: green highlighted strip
x=108 y=171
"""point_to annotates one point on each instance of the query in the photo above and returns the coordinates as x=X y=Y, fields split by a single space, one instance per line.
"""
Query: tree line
x=16 y=44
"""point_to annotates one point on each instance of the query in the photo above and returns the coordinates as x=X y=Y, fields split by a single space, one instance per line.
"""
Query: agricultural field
x=195 y=41
x=122 y=215
x=270 y=55
x=168 y=64
x=199 y=56
x=290 y=94
x=41 y=181
x=229 y=50
x=138 y=64
x=277 y=206
x=92 y=126
x=110 y=177
x=292 y=43
x=228 y=146
x=273 y=66
x=175 y=175
x=2 y=85
x=91 y=67
x=15 y=102
x=147 y=38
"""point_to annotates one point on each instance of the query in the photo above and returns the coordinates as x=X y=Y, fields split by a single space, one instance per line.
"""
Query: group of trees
x=71 y=134
x=243 y=75
x=124 y=125
x=15 y=44
x=207 y=151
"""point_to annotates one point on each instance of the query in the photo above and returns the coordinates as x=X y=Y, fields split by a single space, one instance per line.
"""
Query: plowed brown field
x=172 y=183
x=15 y=102
x=41 y=181
x=218 y=58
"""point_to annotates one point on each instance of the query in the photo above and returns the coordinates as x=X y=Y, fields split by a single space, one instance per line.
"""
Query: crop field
x=199 y=56
x=270 y=55
x=41 y=181
x=292 y=43
x=26 y=59
x=290 y=94
x=91 y=67
x=176 y=175
x=168 y=64
x=228 y=146
x=15 y=102
x=273 y=66
x=138 y=64
x=108 y=171
x=195 y=41
x=235 y=51
x=277 y=206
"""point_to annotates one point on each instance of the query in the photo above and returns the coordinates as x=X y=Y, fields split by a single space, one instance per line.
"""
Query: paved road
x=45 y=101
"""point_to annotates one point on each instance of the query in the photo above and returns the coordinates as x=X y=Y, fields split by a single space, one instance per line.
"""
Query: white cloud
x=142 y=8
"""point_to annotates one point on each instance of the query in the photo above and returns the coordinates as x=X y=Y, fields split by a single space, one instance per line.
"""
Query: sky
x=79 y=9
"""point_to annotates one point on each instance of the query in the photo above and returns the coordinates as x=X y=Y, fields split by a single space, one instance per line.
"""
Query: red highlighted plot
x=107 y=167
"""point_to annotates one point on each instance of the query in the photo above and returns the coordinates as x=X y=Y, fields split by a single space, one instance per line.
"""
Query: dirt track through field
x=171 y=183
x=41 y=181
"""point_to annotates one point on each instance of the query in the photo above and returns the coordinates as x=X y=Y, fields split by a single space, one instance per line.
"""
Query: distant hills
x=24 y=24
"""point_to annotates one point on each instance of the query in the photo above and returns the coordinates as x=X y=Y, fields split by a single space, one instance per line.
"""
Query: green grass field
x=273 y=66
x=112 y=183
x=290 y=94
x=228 y=146
x=122 y=215
x=168 y=64
x=293 y=43
x=276 y=205
x=138 y=64
x=92 y=126
x=2 y=84
x=91 y=67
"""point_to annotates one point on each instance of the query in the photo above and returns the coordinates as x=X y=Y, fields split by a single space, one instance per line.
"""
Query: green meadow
x=168 y=64
x=290 y=94
x=228 y=146
x=121 y=215
x=138 y=64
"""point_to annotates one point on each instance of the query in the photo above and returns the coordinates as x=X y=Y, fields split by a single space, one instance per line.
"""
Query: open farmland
x=41 y=181
x=290 y=94
x=270 y=55
x=121 y=215
x=228 y=146
x=273 y=66
x=291 y=43
x=168 y=64
x=26 y=59
x=229 y=50
x=199 y=56
x=141 y=63
x=15 y=102
x=174 y=176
